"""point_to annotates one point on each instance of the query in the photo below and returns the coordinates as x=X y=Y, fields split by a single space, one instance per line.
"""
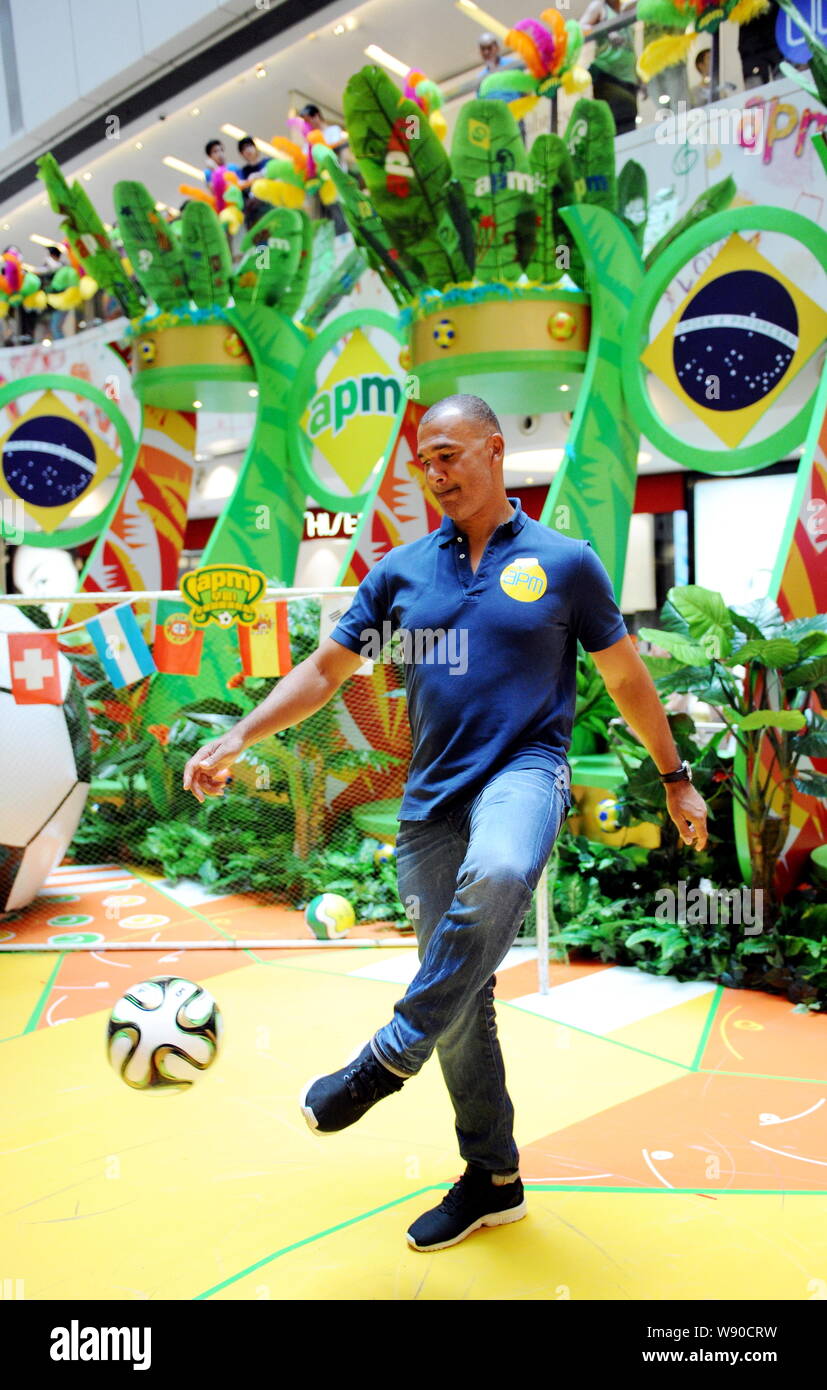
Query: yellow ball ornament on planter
x=562 y=325
x=607 y=814
x=444 y=332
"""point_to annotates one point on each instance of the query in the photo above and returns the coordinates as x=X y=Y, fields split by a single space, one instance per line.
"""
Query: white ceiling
x=310 y=62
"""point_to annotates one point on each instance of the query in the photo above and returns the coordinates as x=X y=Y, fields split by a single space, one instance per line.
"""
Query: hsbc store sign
x=321 y=524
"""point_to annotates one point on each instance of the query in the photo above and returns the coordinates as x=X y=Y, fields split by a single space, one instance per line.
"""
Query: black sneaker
x=331 y=1103
x=473 y=1201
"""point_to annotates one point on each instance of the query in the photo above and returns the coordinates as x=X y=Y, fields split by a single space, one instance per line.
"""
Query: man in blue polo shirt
x=489 y=610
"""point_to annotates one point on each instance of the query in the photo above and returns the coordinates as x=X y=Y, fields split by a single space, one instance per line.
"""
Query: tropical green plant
x=762 y=676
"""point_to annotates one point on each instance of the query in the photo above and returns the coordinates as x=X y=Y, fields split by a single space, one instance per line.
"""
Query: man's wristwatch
x=683 y=774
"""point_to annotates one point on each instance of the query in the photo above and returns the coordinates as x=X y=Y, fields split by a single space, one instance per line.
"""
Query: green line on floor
x=41 y=1003
x=308 y=1240
x=719 y=990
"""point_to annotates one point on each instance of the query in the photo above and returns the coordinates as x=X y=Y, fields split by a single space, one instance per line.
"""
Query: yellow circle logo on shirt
x=524 y=579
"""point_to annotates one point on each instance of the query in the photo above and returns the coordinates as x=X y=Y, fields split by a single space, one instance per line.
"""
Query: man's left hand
x=688 y=810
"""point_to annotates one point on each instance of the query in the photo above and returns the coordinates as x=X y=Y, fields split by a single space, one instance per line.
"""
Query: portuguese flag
x=265 y=644
x=177 y=645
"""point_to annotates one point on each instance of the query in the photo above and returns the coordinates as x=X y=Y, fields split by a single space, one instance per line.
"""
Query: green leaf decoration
x=88 y=237
x=769 y=651
x=155 y=256
x=293 y=294
x=633 y=199
x=590 y=140
x=368 y=230
x=676 y=644
x=813 y=743
x=716 y=198
x=266 y=271
x=788 y=720
x=339 y=283
x=491 y=163
x=764 y=615
x=205 y=252
x=553 y=173
x=407 y=174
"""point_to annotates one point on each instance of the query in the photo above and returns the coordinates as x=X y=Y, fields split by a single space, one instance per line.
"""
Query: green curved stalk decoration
x=594 y=489
x=633 y=199
x=590 y=140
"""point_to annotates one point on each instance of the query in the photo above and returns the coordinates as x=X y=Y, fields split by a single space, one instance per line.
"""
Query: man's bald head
x=471 y=408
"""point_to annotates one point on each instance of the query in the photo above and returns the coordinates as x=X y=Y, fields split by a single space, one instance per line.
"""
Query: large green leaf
x=716 y=198
x=553 y=174
x=707 y=616
x=407 y=173
x=676 y=644
x=88 y=237
x=812 y=784
x=808 y=676
x=291 y=296
x=206 y=257
x=155 y=255
x=633 y=199
x=813 y=744
x=788 y=720
x=368 y=230
x=769 y=651
x=491 y=163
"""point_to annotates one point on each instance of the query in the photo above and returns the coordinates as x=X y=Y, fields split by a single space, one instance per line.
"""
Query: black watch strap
x=682 y=774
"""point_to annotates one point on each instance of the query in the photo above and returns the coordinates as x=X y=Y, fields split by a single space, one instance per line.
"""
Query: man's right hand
x=207 y=771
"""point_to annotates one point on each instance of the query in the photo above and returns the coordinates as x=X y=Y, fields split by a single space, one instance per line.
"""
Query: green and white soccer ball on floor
x=164 y=1033
x=329 y=916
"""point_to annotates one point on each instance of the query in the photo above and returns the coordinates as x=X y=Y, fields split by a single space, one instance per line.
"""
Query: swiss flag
x=33 y=662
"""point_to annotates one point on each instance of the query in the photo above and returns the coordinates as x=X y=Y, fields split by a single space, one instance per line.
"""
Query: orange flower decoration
x=159 y=731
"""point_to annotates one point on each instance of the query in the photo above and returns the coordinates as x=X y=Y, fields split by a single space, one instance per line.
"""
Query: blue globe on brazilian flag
x=329 y=916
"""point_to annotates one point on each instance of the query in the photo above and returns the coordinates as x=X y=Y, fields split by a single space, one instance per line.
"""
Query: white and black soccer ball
x=45 y=755
x=163 y=1033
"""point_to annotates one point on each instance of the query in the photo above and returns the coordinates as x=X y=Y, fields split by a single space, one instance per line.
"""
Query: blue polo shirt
x=489 y=657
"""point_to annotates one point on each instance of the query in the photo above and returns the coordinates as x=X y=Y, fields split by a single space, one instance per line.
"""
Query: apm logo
x=366 y=395
x=76 y=1343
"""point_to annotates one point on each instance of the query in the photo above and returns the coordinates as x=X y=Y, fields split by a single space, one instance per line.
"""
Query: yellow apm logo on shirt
x=524 y=579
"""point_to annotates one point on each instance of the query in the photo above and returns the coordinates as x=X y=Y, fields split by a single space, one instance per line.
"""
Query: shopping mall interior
x=245 y=247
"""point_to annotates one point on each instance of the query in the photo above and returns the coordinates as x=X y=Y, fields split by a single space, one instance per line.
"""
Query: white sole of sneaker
x=497 y=1218
x=310 y=1118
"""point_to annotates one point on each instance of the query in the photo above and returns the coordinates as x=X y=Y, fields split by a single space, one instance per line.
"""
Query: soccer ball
x=46 y=756
x=329 y=916
x=163 y=1032
x=444 y=332
x=383 y=853
x=562 y=325
x=607 y=814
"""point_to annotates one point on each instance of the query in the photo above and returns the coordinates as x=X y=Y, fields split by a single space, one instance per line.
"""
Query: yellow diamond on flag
x=350 y=418
x=736 y=341
x=50 y=460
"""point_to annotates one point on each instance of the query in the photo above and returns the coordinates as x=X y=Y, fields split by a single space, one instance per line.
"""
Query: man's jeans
x=467 y=879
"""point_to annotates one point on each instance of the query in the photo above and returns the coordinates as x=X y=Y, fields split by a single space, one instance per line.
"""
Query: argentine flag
x=118 y=642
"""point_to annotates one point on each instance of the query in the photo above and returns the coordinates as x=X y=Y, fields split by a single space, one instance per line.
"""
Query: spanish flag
x=265 y=643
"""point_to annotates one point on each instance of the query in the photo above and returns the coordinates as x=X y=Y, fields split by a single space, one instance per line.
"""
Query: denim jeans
x=468 y=878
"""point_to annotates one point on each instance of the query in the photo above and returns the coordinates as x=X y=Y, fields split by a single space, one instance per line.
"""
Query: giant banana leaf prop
x=715 y=199
x=367 y=229
x=87 y=237
x=408 y=176
x=271 y=262
x=155 y=255
x=491 y=163
x=633 y=199
x=590 y=139
x=206 y=258
x=293 y=294
x=553 y=174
